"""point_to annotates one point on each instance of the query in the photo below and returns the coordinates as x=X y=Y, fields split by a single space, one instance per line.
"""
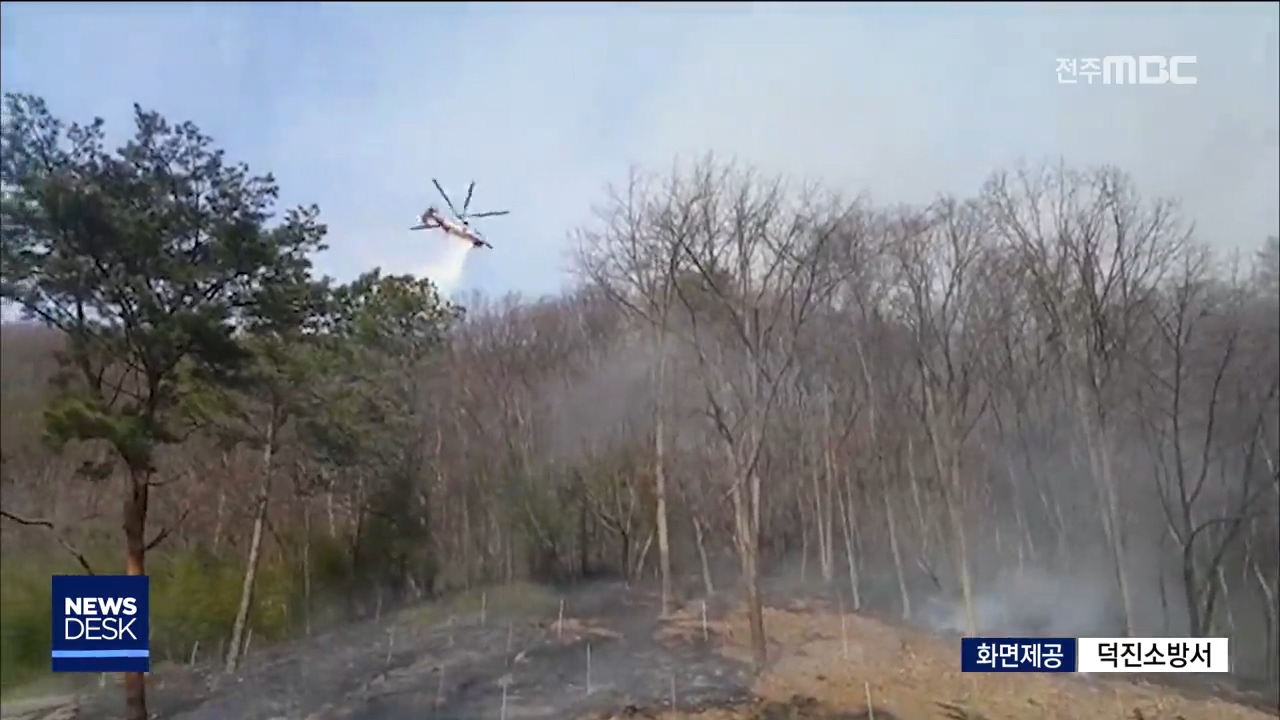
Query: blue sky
x=355 y=106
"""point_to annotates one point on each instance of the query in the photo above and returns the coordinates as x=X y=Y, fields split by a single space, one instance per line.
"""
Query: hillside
x=447 y=662
x=833 y=669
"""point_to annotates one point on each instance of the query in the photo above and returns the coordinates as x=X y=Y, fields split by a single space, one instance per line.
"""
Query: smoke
x=9 y=312
x=1032 y=602
x=448 y=261
x=603 y=405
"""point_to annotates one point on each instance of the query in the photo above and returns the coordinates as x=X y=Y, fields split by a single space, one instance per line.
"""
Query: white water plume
x=446 y=265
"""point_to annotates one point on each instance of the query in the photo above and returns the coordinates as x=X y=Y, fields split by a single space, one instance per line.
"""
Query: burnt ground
x=407 y=667
x=449 y=662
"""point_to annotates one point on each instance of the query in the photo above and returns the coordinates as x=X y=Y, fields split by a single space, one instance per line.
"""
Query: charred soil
x=529 y=664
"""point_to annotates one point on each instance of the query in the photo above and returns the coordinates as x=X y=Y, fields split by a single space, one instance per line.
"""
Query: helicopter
x=459 y=223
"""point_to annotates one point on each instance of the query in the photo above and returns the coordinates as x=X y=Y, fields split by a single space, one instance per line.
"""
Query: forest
x=1047 y=406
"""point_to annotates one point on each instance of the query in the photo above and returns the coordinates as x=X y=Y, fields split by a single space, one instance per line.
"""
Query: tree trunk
x=847 y=523
x=637 y=570
x=255 y=553
x=1099 y=459
x=584 y=557
x=755 y=609
x=135 y=528
x=883 y=475
x=749 y=552
x=944 y=440
x=1272 y=670
x=306 y=567
x=804 y=537
x=468 y=543
x=707 y=584
x=223 y=482
x=897 y=554
x=823 y=492
x=822 y=521
x=624 y=553
x=660 y=472
x=331 y=511
x=1027 y=539
x=917 y=503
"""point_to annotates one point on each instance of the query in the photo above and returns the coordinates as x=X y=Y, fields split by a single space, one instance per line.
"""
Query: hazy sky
x=355 y=106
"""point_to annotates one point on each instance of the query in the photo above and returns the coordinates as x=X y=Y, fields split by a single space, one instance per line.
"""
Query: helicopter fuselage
x=432 y=219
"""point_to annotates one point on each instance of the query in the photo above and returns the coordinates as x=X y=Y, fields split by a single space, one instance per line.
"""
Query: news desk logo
x=100 y=623
x=1128 y=70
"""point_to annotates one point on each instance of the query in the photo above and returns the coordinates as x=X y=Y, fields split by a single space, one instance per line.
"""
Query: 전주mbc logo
x=101 y=623
x=1128 y=70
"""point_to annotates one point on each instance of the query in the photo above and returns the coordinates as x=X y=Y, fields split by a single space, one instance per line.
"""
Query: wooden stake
x=484 y=605
x=504 y=698
x=844 y=634
x=705 y=634
x=871 y=711
x=560 y=622
x=440 y=689
x=588 y=668
x=391 y=643
x=844 y=637
x=195 y=650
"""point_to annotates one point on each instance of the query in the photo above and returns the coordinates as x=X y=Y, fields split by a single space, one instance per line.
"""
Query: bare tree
x=944 y=259
x=1208 y=467
x=755 y=268
x=1095 y=252
x=623 y=259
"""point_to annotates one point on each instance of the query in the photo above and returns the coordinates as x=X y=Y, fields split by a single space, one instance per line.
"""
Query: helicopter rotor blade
x=445 y=195
x=490 y=214
x=467 y=203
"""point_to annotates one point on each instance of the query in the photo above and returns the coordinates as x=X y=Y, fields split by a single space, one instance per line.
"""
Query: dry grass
x=570 y=630
x=515 y=598
x=690 y=624
x=909 y=675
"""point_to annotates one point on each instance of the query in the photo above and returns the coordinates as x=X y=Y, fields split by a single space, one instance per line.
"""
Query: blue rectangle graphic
x=101 y=653
x=101 y=665
x=1002 y=654
x=101 y=623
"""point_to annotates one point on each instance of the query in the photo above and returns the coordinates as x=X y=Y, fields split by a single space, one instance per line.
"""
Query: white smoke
x=1030 y=603
x=9 y=312
x=448 y=261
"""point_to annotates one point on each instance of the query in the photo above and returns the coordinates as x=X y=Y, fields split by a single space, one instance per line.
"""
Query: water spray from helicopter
x=446 y=271
x=447 y=266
